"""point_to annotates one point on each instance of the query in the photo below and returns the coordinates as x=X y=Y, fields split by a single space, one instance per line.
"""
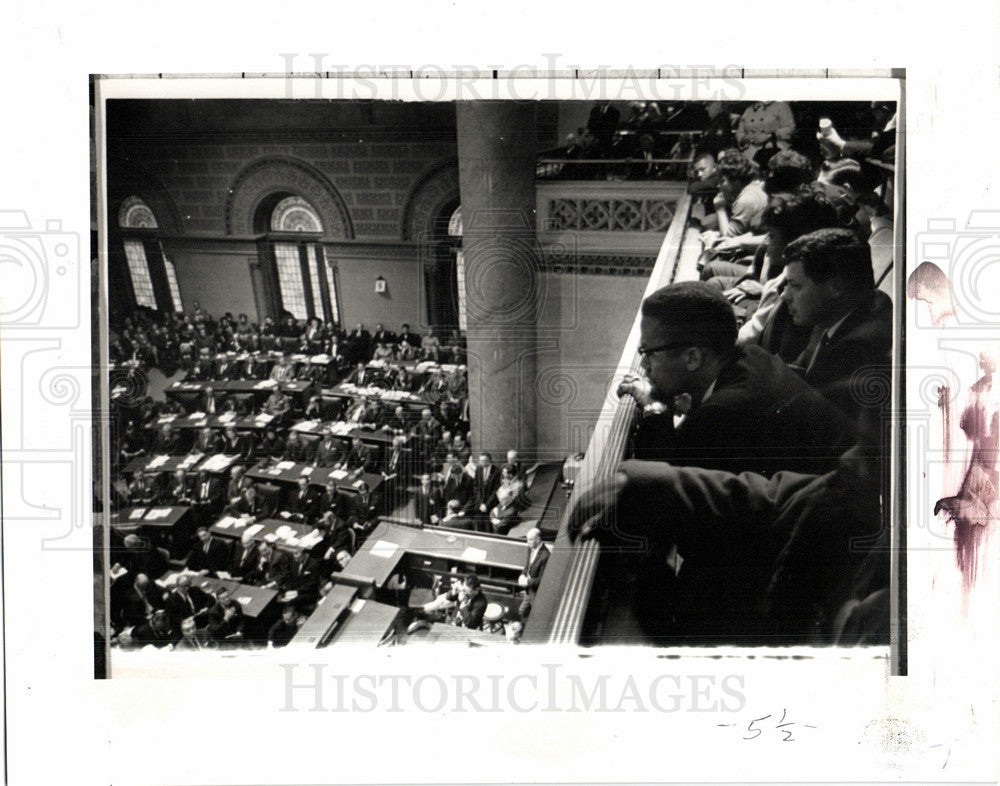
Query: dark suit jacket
x=485 y=484
x=855 y=363
x=243 y=560
x=179 y=609
x=533 y=569
x=215 y=491
x=471 y=610
x=307 y=506
x=457 y=485
x=427 y=504
x=768 y=558
x=217 y=557
x=327 y=456
x=761 y=417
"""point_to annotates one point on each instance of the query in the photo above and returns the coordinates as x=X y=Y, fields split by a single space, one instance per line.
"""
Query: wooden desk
x=441 y=632
x=433 y=551
x=288 y=533
x=254 y=600
x=288 y=474
x=163 y=516
x=367 y=622
x=327 y=614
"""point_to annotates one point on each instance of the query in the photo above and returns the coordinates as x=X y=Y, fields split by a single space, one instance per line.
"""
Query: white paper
x=384 y=548
x=472 y=554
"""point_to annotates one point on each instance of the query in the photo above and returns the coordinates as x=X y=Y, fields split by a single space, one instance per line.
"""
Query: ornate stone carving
x=610 y=214
x=285 y=175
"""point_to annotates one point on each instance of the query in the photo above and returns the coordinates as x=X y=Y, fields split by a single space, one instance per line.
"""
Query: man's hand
x=522 y=580
x=596 y=512
x=638 y=387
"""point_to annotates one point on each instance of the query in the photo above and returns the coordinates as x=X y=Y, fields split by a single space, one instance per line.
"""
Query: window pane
x=138 y=269
x=460 y=281
x=293 y=295
x=175 y=291
x=317 y=296
x=331 y=285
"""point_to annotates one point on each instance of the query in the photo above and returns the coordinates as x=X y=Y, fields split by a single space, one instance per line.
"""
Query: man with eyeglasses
x=711 y=404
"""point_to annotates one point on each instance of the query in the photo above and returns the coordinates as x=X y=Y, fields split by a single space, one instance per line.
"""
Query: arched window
x=153 y=277
x=306 y=280
x=455 y=230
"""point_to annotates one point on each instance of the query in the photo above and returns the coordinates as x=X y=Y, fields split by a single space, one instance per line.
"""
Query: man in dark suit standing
x=531 y=577
x=457 y=484
x=485 y=483
x=427 y=504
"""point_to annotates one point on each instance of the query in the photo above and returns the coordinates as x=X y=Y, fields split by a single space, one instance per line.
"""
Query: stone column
x=496 y=154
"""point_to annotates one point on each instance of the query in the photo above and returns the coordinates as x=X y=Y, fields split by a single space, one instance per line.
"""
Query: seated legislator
x=226 y=620
x=236 y=444
x=364 y=411
x=157 y=631
x=302 y=504
x=207 y=491
x=131 y=443
x=209 y=402
x=208 y=555
x=143 y=490
x=283 y=371
x=207 y=442
x=363 y=377
x=178 y=490
x=831 y=289
x=791 y=559
x=277 y=405
x=454 y=516
x=244 y=559
x=273 y=568
x=298 y=449
x=251 y=504
x=193 y=638
x=712 y=404
x=272 y=444
x=185 y=601
x=472 y=604
x=284 y=630
x=138 y=604
x=398 y=422
x=329 y=451
x=359 y=457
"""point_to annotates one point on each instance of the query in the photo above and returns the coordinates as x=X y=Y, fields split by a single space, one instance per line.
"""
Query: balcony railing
x=564 y=599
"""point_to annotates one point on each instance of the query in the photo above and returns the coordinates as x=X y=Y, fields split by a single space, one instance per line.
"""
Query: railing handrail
x=560 y=605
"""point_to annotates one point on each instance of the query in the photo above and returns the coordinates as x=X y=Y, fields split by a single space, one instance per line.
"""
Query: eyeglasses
x=647 y=351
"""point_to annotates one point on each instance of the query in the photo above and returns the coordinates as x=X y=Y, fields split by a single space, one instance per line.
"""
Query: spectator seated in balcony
x=703 y=185
x=712 y=404
x=740 y=203
x=431 y=349
x=830 y=290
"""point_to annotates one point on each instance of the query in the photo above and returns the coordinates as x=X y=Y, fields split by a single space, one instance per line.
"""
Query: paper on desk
x=226 y=417
x=197 y=415
x=266 y=383
x=157 y=513
x=305 y=425
x=245 y=600
x=284 y=532
x=252 y=530
x=223 y=574
x=473 y=555
x=283 y=465
x=385 y=549
x=263 y=417
x=311 y=539
x=307 y=471
x=194 y=458
x=358 y=484
x=167 y=418
x=284 y=514
x=137 y=513
x=159 y=461
x=226 y=522
x=338 y=474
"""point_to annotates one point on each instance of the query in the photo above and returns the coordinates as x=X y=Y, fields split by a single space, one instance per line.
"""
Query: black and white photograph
x=373 y=373
x=451 y=394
